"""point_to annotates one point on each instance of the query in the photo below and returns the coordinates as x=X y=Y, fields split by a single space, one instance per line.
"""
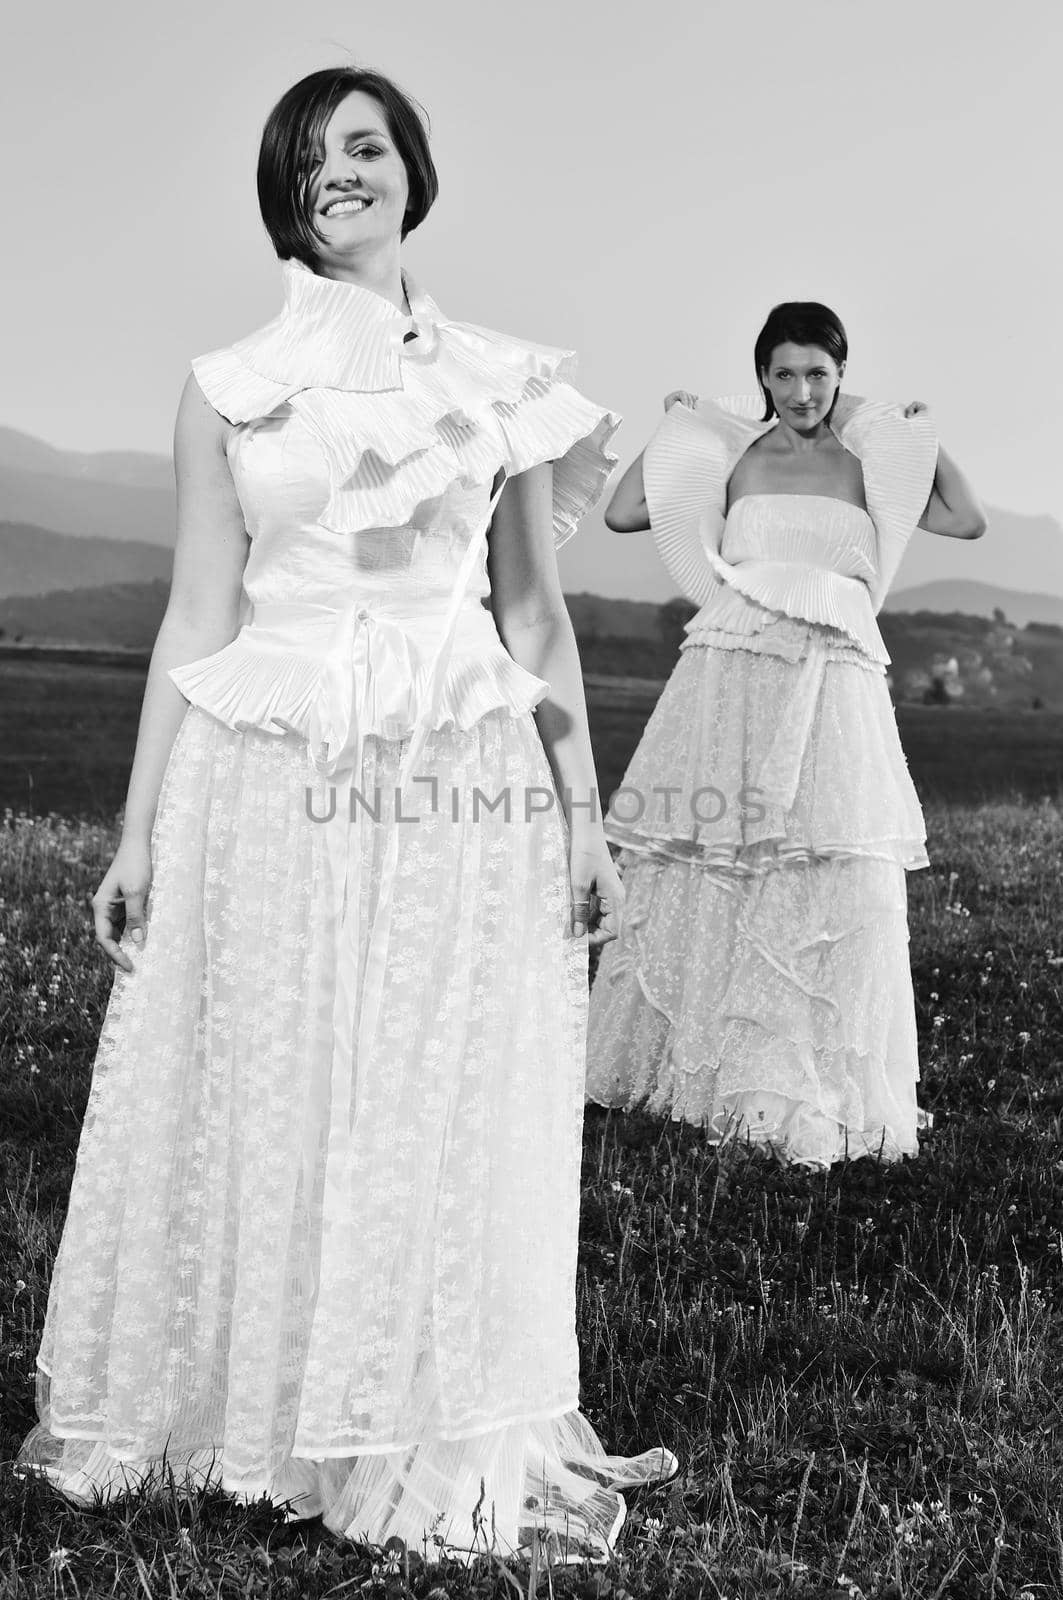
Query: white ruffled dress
x=761 y=986
x=321 y=1242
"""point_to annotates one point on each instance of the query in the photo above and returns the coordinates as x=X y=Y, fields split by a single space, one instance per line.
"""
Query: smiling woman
x=321 y=1242
x=337 y=148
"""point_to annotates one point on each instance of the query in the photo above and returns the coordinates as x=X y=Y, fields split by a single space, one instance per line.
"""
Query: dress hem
x=744 y=1132
x=336 y=1451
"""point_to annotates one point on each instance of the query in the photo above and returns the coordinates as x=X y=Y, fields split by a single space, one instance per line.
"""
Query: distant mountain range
x=133 y=469
x=130 y=495
x=113 y=495
x=977 y=600
x=105 y=523
x=35 y=561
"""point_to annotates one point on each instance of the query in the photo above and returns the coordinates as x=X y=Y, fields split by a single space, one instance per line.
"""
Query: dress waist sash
x=381 y=662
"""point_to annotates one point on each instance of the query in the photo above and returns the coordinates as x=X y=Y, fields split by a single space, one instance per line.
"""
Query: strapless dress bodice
x=806 y=530
x=814 y=559
x=795 y=563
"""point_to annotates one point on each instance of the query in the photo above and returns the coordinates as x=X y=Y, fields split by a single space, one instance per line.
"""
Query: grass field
x=68 y=728
x=860 y=1369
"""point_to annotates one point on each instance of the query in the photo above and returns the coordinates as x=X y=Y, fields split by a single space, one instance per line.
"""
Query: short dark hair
x=799 y=322
x=290 y=154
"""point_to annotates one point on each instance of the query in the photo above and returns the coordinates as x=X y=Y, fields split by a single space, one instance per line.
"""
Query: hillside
x=132 y=468
x=978 y=600
x=123 y=614
x=111 y=495
x=936 y=658
x=594 y=616
x=973 y=660
x=35 y=561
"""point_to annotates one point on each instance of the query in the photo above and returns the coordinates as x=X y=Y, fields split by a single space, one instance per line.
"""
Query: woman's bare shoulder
x=197 y=420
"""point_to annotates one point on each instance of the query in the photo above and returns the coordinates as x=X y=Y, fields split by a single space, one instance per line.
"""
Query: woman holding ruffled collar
x=321 y=1243
x=761 y=985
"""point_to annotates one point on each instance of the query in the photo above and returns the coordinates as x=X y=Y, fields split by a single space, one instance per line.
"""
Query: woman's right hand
x=126 y=882
x=682 y=397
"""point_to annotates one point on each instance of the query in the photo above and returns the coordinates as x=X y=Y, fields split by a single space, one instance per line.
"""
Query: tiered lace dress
x=321 y=1241
x=761 y=986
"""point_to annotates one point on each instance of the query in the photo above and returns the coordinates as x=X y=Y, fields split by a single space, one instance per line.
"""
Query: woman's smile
x=347 y=205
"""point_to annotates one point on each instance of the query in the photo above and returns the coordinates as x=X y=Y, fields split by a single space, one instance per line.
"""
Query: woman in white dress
x=321 y=1241
x=761 y=984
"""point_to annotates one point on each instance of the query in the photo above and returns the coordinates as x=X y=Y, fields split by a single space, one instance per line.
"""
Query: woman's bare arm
x=953 y=509
x=201 y=616
x=626 y=511
x=535 y=627
x=203 y=607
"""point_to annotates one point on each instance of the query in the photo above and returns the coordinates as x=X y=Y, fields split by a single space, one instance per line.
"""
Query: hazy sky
x=640 y=182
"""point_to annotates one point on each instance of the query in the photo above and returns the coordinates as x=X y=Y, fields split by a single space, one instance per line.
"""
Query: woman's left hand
x=596 y=889
x=915 y=408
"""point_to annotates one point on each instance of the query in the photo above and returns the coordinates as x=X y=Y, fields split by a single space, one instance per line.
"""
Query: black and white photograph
x=531 y=773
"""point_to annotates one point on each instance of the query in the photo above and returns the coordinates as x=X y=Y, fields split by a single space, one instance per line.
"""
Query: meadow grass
x=860 y=1369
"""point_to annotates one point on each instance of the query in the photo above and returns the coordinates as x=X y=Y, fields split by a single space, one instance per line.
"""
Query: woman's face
x=802 y=380
x=358 y=196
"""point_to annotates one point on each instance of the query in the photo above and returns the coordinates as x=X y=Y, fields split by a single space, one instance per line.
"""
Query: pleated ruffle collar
x=333 y=334
x=700 y=448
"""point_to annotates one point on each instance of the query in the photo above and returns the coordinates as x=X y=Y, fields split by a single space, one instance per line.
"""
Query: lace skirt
x=386 y=1336
x=761 y=986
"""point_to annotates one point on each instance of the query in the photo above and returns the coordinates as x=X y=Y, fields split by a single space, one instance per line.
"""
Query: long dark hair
x=799 y=322
x=290 y=154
